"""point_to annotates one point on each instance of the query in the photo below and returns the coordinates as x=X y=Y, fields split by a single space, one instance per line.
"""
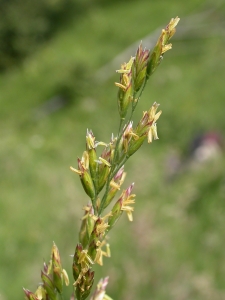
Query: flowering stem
x=112 y=171
x=120 y=133
x=107 y=171
x=116 y=165
x=94 y=201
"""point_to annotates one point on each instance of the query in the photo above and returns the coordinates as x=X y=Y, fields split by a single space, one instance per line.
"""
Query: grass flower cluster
x=101 y=170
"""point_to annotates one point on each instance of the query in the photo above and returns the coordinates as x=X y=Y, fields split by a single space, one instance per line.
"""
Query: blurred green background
x=57 y=79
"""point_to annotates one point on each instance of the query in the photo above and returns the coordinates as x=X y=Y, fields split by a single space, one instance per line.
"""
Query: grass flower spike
x=161 y=46
x=125 y=87
x=102 y=175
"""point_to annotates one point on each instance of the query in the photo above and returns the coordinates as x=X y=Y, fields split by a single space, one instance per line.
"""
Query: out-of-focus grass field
x=174 y=249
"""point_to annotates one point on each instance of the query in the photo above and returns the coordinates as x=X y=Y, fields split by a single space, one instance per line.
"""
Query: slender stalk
x=120 y=133
x=116 y=165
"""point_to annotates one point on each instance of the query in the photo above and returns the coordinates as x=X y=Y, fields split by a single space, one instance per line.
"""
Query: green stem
x=120 y=132
x=116 y=165
x=94 y=200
